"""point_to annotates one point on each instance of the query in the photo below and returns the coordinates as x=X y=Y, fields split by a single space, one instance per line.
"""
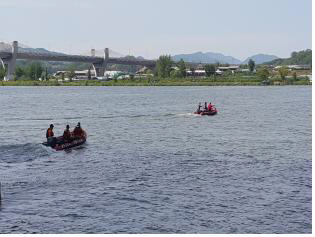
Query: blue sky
x=239 y=28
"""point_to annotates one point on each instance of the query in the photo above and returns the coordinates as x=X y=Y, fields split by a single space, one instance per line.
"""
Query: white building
x=79 y=75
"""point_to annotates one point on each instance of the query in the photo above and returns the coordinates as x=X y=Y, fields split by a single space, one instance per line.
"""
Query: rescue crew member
x=51 y=140
x=206 y=107
x=66 y=134
x=199 y=108
x=210 y=107
x=78 y=131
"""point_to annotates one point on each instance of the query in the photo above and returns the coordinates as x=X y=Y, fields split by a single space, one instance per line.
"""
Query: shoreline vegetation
x=168 y=73
x=188 y=81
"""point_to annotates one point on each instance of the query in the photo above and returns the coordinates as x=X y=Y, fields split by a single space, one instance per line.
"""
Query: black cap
x=51 y=125
x=68 y=126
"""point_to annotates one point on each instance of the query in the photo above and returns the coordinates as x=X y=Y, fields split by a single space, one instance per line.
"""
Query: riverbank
x=250 y=81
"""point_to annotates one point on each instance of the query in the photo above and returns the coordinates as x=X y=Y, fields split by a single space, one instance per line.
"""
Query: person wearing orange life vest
x=51 y=140
x=66 y=134
x=210 y=107
x=78 y=131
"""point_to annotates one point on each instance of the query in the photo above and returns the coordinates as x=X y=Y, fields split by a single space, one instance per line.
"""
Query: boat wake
x=19 y=153
x=188 y=115
x=152 y=115
x=124 y=116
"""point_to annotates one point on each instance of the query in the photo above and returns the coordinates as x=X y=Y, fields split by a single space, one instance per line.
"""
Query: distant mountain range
x=302 y=57
x=38 y=50
x=200 y=57
x=7 y=47
x=26 y=49
x=260 y=58
x=211 y=58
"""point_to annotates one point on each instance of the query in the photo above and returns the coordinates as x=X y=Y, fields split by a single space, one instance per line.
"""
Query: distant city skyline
x=149 y=28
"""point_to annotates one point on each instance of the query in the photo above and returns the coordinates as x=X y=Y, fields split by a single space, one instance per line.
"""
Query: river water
x=150 y=166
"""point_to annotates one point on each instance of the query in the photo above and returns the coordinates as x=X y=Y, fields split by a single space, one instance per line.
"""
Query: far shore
x=164 y=82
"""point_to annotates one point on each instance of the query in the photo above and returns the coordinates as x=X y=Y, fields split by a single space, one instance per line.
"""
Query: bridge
x=8 y=60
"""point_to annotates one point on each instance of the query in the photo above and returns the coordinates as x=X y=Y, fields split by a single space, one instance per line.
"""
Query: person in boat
x=199 y=108
x=206 y=107
x=78 y=131
x=67 y=134
x=210 y=107
x=51 y=140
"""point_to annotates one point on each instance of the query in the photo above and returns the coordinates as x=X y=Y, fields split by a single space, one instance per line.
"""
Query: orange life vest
x=66 y=135
x=49 y=133
x=78 y=132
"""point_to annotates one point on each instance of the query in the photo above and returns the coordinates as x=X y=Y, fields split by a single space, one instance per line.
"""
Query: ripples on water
x=151 y=166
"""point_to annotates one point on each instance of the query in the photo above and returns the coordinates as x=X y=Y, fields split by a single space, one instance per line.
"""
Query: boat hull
x=208 y=113
x=67 y=145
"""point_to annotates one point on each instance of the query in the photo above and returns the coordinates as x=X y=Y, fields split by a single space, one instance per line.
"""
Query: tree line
x=165 y=67
x=35 y=70
x=2 y=72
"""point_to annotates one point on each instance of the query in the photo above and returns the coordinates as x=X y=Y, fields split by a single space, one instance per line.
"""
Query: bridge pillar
x=12 y=62
x=100 y=68
x=93 y=52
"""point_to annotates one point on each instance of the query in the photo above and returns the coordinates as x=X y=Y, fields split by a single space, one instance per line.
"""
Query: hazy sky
x=239 y=28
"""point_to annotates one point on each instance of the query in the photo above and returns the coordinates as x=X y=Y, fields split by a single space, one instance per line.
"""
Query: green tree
x=251 y=65
x=38 y=70
x=19 y=72
x=149 y=75
x=164 y=66
x=283 y=72
x=182 y=68
x=43 y=76
x=303 y=57
x=294 y=54
x=46 y=74
x=71 y=72
x=149 y=71
x=263 y=73
x=34 y=70
x=175 y=74
x=210 y=69
x=2 y=72
x=31 y=71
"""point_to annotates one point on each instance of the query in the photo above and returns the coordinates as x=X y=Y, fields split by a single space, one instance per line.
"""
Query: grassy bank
x=212 y=81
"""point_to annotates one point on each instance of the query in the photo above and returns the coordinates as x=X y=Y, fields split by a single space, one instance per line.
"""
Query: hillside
x=212 y=58
x=209 y=57
x=303 y=57
x=260 y=58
